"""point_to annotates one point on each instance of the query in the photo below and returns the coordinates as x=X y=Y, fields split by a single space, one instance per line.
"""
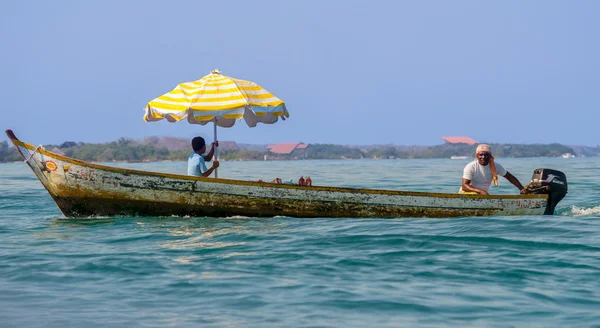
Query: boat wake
x=582 y=211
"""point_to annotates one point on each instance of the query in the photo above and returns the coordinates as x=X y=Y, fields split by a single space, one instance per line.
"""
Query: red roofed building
x=455 y=140
x=286 y=148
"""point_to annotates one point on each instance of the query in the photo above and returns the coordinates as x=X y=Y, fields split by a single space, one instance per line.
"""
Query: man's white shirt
x=481 y=176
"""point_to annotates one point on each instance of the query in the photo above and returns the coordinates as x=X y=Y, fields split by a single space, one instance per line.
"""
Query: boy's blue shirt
x=196 y=165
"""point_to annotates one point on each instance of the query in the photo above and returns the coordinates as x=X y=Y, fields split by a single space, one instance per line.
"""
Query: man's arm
x=212 y=168
x=466 y=186
x=514 y=181
x=209 y=156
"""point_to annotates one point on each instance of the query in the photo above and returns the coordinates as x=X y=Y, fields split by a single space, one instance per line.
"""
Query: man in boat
x=197 y=160
x=478 y=175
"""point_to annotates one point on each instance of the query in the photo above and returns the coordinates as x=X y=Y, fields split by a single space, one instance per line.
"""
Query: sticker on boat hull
x=51 y=166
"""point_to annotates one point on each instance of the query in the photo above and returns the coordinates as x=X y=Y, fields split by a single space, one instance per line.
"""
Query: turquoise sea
x=529 y=271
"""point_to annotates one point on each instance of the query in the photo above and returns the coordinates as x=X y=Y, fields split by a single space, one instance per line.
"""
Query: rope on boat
x=34 y=151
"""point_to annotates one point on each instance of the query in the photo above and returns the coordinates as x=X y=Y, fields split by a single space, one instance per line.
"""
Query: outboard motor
x=551 y=182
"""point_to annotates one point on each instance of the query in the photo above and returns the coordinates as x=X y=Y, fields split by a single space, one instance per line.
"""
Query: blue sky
x=351 y=72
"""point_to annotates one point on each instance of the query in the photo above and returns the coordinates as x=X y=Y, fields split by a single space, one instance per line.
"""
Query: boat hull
x=82 y=189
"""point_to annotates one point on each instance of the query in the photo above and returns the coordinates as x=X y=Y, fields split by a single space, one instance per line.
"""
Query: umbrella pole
x=216 y=148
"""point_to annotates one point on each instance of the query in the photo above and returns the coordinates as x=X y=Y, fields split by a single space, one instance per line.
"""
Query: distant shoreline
x=173 y=149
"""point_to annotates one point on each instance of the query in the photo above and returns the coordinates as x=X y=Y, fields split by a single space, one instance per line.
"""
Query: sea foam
x=580 y=211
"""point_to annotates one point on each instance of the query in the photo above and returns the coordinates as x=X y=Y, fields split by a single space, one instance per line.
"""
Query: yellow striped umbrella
x=217 y=98
x=220 y=99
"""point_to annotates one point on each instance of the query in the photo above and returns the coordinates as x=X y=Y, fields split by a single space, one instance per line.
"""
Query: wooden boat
x=82 y=189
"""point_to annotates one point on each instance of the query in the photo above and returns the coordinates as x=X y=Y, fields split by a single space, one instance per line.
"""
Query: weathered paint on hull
x=82 y=189
x=84 y=207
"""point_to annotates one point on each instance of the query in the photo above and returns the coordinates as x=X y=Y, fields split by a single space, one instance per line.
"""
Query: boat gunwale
x=43 y=151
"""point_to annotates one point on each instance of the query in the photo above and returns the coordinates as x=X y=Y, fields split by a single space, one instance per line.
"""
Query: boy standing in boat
x=478 y=175
x=197 y=160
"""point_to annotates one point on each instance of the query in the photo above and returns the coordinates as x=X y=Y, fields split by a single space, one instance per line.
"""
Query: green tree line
x=128 y=150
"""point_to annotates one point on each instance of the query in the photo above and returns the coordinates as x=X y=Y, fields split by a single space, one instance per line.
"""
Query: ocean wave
x=582 y=211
